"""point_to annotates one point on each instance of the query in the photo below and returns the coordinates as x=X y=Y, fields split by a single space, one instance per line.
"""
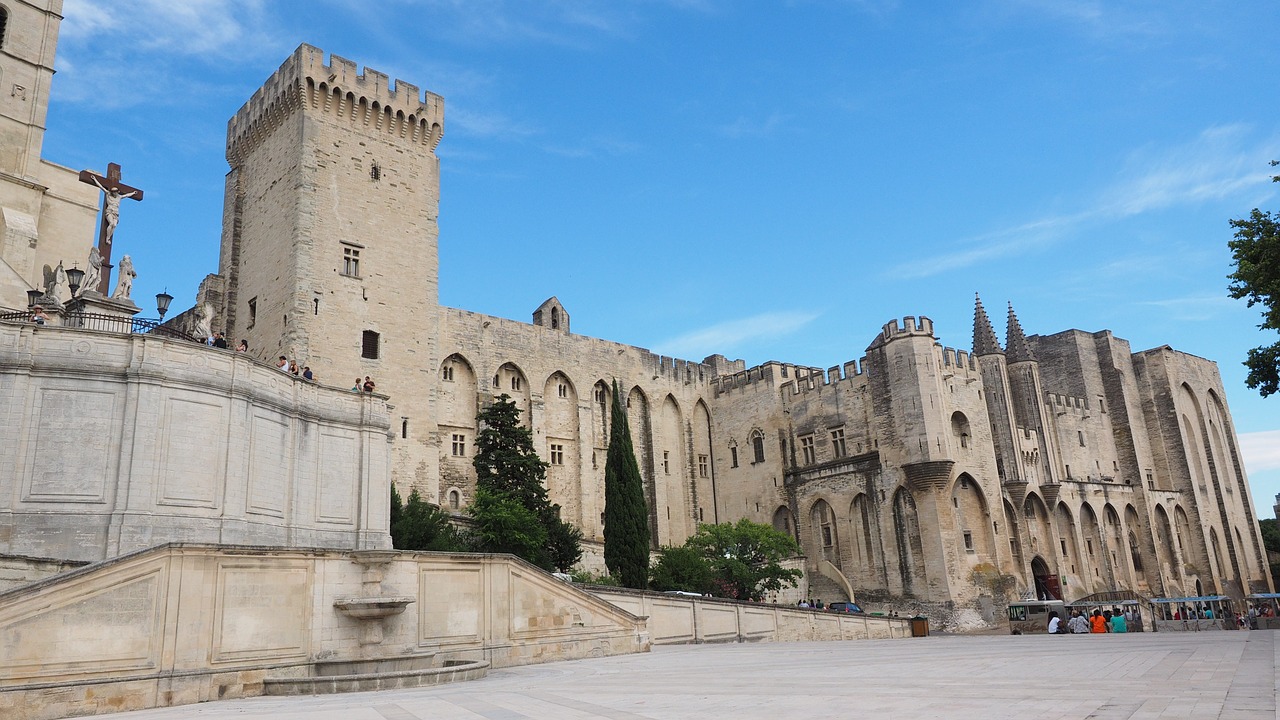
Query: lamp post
x=33 y=298
x=162 y=302
x=75 y=276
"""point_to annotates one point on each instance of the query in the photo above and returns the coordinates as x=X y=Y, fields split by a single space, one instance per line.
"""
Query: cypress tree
x=512 y=511
x=626 y=518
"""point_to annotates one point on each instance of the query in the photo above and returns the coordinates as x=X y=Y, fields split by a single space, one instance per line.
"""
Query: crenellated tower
x=329 y=244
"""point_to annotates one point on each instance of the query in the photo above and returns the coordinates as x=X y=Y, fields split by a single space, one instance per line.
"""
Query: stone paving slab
x=1228 y=675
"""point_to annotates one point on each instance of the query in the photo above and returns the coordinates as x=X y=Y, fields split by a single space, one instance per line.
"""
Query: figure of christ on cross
x=114 y=191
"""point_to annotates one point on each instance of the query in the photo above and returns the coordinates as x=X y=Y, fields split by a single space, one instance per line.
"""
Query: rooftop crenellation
x=372 y=90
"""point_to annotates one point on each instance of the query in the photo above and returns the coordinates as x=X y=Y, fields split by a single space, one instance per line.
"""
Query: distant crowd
x=1101 y=621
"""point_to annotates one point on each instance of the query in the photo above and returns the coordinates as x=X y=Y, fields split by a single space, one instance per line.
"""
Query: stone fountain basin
x=372 y=608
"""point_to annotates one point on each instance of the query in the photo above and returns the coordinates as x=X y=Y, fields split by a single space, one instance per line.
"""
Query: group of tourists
x=1101 y=621
x=284 y=364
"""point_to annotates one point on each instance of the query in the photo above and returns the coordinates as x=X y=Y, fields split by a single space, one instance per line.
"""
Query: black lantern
x=162 y=302
x=75 y=276
x=33 y=297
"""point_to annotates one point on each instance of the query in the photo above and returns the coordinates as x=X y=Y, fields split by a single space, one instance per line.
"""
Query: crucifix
x=114 y=191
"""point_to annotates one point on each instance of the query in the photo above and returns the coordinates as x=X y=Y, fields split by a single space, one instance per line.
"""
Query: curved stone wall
x=121 y=442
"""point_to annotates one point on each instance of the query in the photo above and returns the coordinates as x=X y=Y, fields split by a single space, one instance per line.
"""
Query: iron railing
x=110 y=323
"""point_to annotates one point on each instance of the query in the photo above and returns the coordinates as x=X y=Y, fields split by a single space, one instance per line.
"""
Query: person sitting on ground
x=1118 y=624
x=38 y=316
x=1097 y=623
x=1077 y=624
x=283 y=364
x=1055 y=623
x=306 y=373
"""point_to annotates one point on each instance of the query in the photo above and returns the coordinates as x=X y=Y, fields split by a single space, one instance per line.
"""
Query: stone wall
x=121 y=442
x=17 y=570
x=182 y=623
x=683 y=620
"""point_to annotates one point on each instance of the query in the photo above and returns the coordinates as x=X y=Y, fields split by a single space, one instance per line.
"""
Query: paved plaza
x=1230 y=675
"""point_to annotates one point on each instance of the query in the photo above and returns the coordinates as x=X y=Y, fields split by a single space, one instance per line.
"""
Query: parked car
x=844 y=607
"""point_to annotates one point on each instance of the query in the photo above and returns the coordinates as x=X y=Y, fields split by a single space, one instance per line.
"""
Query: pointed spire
x=984 y=336
x=1016 y=341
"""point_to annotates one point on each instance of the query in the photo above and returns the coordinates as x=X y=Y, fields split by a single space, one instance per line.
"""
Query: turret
x=1016 y=342
x=984 y=336
x=995 y=379
x=1027 y=393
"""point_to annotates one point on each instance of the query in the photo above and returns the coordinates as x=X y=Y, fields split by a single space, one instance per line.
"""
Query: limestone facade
x=47 y=215
x=1067 y=461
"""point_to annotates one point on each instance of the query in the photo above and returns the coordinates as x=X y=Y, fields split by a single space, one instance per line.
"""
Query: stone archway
x=1047 y=584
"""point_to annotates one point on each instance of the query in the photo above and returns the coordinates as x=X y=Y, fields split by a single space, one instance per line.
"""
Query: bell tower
x=46 y=215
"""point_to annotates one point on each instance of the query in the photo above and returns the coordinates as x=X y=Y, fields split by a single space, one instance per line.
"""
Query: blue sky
x=768 y=180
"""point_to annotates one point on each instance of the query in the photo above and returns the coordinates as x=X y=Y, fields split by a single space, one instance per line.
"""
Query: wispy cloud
x=595 y=147
x=1193 y=308
x=1218 y=163
x=1102 y=20
x=103 y=42
x=724 y=337
x=753 y=126
x=1261 y=450
x=465 y=121
x=190 y=27
x=568 y=23
x=1001 y=243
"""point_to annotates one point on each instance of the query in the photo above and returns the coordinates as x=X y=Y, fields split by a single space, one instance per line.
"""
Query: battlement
x=767 y=373
x=953 y=359
x=911 y=327
x=817 y=380
x=684 y=371
x=367 y=99
x=1066 y=403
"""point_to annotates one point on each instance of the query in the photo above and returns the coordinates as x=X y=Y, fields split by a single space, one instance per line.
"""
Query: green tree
x=508 y=470
x=1271 y=541
x=626 y=515
x=504 y=525
x=419 y=525
x=1256 y=253
x=683 y=568
x=746 y=558
x=1270 y=534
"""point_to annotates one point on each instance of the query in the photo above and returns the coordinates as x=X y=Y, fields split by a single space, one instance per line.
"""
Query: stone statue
x=124 y=284
x=54 y=280
x=204 y=321
x=111 y=216
x=93 y=275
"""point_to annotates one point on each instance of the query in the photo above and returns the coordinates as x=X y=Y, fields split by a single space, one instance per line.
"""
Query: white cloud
x=724 y=337
x=1193 y=308
x=752 y=126
x=1217 y=163
x=487 y=125
x=103 y=43
x=992 y=246
x=1261 y=450
x=189 y=27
